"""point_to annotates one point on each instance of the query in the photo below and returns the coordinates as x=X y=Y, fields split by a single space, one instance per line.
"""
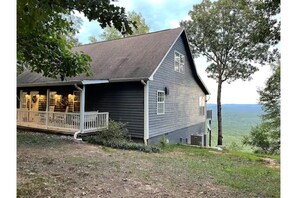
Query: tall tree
x=225 y=32
x=42 y=29
x=265 y=137
x=111 y=33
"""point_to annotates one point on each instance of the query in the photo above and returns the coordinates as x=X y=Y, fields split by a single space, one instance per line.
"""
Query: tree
x=265 y=137
x=111 y=33
x=224 y=32
x=42 y=29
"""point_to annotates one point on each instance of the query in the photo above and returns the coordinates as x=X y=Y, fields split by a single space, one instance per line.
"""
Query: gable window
x=201 y=105
x=160 y=102
x=179 y=62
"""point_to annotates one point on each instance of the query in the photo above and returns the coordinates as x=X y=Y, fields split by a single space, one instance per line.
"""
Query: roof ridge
x=159 y=31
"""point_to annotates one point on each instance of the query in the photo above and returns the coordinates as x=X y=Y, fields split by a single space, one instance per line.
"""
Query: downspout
x=146 y=111
x=76 y=133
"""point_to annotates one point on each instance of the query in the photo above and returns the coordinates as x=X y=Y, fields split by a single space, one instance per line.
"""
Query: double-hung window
x=179 y=62
x=160 y=102
x=201 y=105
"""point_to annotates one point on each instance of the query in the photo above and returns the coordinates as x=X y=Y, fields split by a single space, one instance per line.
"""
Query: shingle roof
x=131 y=57
x=134 y=58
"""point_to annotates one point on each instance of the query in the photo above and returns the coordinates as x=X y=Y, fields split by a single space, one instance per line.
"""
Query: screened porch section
x=58 y=111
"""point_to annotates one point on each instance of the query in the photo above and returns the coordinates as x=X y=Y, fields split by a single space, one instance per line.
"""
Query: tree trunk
x=219 y=114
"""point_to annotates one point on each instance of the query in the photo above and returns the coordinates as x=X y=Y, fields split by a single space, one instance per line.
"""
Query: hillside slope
x=237 y=122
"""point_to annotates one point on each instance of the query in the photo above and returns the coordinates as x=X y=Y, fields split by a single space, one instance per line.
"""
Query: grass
x=240 y=170
x=177 y=171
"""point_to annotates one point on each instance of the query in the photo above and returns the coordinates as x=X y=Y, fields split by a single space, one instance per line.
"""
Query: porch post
x=47 y=107
x=82 y=109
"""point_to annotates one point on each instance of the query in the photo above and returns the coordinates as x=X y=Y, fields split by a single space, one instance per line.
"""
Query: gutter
x=127 y=79
x=146 y=112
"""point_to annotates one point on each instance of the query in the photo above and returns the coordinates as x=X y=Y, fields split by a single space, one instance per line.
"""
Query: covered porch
x=58 y=109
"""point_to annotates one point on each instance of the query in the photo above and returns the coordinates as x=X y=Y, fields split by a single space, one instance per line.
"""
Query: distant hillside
x=237 y=122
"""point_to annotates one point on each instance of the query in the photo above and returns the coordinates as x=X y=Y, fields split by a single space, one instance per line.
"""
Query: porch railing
x=93 y=121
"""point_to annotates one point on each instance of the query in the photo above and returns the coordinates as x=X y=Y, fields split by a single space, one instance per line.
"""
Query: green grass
x=243 y=171
x=41 y=139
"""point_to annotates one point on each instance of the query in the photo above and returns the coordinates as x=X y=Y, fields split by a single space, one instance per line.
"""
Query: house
x=148 y=81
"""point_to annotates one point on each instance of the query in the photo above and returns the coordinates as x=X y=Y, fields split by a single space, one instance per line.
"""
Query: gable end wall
x=181 y=105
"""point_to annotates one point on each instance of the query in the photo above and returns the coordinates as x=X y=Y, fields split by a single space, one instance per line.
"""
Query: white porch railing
x=93 y=121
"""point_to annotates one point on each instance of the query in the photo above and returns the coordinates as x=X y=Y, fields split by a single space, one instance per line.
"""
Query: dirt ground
x=76 y=169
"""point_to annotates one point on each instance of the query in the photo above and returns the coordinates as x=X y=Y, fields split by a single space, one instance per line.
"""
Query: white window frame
x=160 y=102
x=202 y=105
x=179 y=66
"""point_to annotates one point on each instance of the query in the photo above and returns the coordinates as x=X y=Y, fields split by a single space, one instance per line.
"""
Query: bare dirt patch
x=271 y=163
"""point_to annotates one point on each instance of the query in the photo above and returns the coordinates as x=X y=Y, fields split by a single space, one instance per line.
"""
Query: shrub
x=123 y=144
x=115 y=130
x=163 y=142
x=114 y=137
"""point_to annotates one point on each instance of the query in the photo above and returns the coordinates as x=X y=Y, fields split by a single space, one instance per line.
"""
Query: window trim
x=162 y=102
x=179 y=62
x=202 y=105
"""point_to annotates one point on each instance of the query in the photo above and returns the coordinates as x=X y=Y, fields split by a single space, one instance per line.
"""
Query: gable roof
x=131 y=58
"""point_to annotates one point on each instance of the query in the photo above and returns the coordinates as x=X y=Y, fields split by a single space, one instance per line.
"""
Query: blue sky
x=165 y=14
x=158 y=14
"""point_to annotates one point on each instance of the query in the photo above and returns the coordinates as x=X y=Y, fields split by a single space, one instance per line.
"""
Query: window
x=160 y=102
x=179 y=62
x=201 y=105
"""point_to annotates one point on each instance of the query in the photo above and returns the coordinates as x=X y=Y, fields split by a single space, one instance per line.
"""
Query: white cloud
x=127 y=4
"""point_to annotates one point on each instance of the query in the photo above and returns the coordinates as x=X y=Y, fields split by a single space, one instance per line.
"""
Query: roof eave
x=206 y=91
x=47 y=84
x=111 y=80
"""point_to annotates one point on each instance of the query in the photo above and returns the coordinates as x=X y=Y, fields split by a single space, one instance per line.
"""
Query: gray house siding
x=123 y=101
x=181 y=104
x=178 y=136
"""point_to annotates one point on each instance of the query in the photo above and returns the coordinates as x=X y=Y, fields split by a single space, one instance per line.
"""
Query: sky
x=166 y=14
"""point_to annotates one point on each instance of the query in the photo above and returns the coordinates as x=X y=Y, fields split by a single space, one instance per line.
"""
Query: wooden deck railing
x=93 y=121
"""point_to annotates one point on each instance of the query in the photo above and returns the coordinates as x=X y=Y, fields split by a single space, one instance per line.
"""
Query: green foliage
x=265 y=137
x=163 y=142
x=123 y=144
x=111 y=33
x=262 y=139
x=44 y=31
x=270 y=98
x=115 y=131
x=114 y=137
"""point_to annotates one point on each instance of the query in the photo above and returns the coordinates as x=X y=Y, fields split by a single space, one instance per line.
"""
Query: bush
x=163 y=142
x=123 y=144
x=114 y=137
x=115 y=131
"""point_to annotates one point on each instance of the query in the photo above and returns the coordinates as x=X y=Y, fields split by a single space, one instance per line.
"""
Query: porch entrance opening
x=58 y=111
